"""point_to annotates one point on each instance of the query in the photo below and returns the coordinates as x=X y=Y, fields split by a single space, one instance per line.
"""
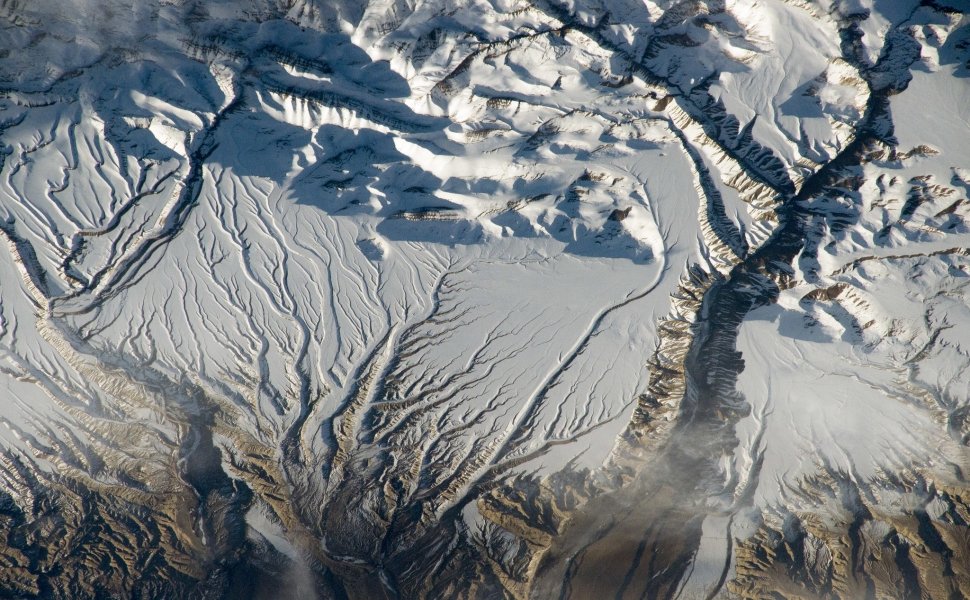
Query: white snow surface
x=484 y=213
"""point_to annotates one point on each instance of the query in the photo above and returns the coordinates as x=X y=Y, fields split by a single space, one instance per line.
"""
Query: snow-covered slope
x=446 y=299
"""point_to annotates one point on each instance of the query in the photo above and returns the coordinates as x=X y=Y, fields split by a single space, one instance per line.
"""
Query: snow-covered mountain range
x=484 y=299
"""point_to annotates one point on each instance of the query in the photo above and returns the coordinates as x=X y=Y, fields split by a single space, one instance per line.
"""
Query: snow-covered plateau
x=378 y=299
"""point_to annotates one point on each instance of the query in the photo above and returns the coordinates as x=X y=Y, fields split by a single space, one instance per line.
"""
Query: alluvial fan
x=484 y=299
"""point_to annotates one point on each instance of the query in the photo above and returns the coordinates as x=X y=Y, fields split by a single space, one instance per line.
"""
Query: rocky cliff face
x=484 y=299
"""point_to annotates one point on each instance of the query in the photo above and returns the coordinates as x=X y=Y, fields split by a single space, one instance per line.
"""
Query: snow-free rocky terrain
x=484 y=299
